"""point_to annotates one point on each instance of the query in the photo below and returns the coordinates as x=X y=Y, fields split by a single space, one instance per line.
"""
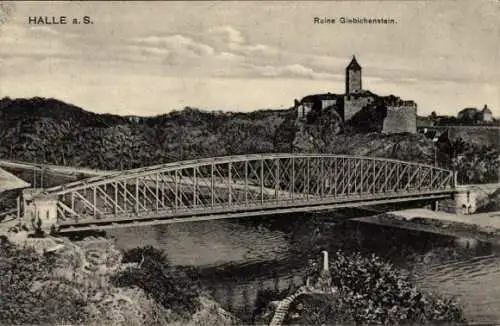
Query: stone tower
x=352 y=77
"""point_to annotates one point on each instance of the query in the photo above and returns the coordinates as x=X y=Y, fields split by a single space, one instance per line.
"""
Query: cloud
x=178 y=43
x=222 y=51
x=229 y=38
x=228 y=34
x=294 y=71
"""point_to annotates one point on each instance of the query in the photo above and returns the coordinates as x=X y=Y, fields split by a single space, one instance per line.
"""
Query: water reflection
x=241 y=258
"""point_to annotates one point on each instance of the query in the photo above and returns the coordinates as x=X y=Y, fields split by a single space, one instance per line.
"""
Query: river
x=242 y=257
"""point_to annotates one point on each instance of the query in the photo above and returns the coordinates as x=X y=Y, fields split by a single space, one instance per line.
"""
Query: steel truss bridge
x=238 y=186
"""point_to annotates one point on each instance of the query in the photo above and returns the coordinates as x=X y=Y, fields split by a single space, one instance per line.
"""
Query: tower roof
x=354 y=65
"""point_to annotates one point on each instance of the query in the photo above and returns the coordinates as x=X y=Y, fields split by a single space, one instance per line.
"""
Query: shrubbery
x=474 y=163
x=175 y=288
x=28 y=294
x=371 y=291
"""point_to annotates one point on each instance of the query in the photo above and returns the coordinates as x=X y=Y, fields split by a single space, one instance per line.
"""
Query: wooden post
x=230 y=181
x=212 y=189
x=176 y=190
x=292 y=182
x=194 y=186
x=246 y=182
x=262 y=181
x=95 y=200
x=137 y=195
x=19 y=210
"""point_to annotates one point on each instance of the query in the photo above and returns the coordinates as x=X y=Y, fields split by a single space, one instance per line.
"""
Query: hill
x=51 y=131
x=48 y=130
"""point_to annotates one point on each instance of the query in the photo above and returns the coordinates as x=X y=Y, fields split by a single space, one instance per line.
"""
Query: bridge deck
x=266 y=208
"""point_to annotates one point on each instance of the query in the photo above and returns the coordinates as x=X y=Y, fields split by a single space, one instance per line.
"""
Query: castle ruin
x=401 y=115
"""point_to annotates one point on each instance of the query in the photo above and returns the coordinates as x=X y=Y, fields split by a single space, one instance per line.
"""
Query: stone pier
x=39 y=211
x=468 y=198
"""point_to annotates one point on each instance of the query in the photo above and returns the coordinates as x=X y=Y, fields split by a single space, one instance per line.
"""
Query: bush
x=371 y=291
x=136 y=255
x=174 y=288
x=28 y=293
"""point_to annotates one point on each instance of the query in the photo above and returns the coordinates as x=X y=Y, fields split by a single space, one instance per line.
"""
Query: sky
x=148 y=58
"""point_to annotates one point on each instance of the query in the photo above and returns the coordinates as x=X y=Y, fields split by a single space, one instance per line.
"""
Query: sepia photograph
x=250 y=162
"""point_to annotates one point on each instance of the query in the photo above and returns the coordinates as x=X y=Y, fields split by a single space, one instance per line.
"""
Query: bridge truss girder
x=241 y=184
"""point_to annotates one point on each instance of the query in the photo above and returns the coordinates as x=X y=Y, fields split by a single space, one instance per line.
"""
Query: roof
x=8 y=181
x=468 y=110
x=354 y=65
x=319 y=97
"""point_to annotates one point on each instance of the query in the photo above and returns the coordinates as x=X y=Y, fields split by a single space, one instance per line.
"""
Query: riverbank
x=55 y=281
x=481 y=226
x=279 y=260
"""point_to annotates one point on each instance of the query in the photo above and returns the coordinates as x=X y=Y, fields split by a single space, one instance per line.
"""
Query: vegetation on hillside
x=173 y=287
x=58 y=133
x=80 y=286
x=28 y=296
x=371 y=291
x=50 y=131
x=475 y=163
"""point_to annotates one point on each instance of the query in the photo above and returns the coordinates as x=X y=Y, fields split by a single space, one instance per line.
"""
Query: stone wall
x=327 y=103
x=469 y=199
x=400 y=119
x=353 y=104
x=303 y=110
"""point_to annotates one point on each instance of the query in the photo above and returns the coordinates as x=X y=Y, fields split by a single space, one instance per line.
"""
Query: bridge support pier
x=40 y=213
x=435 y=205
x=466 y=243
x=465 y=202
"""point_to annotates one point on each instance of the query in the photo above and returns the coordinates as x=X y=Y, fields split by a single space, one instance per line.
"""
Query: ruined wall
x=354 y=104
x=400 y=119
x=303 y=110
x=473 y=197
x=327 y=103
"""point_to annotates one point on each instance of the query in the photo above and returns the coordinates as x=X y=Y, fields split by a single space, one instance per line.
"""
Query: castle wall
x=303 y=110
x=400 y=119
x=327 y=103
x=353 y=105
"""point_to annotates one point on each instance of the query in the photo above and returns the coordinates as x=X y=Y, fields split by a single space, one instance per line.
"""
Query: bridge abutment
x=465 y=202
x=468 y=199
x=39 y=212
